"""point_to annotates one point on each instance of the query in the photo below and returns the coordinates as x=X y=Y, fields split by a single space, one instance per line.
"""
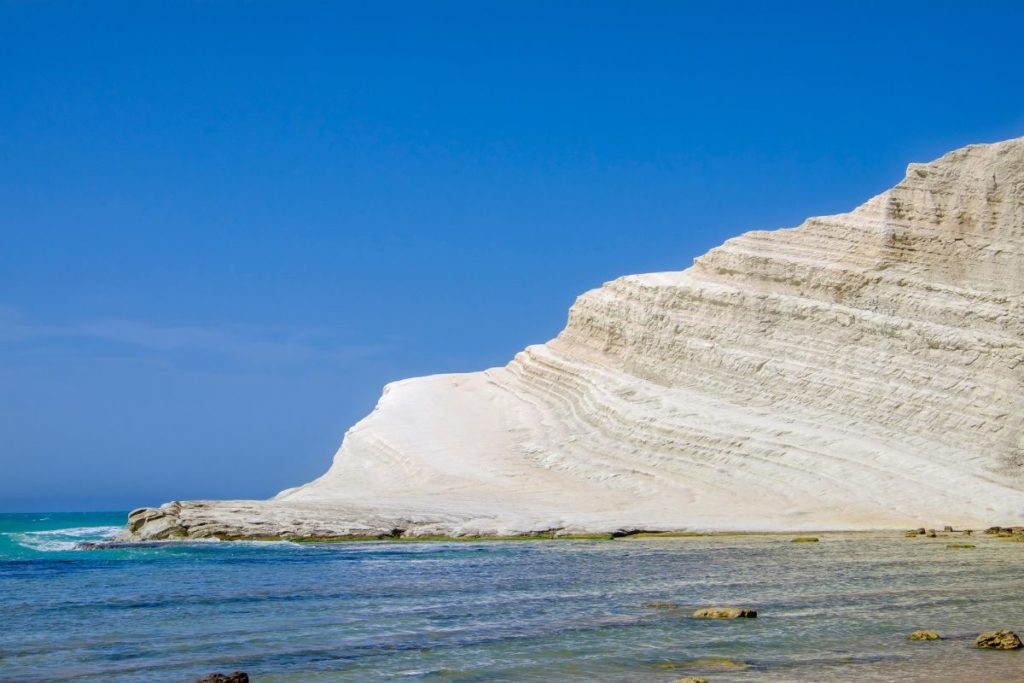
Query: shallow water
x=500 y=611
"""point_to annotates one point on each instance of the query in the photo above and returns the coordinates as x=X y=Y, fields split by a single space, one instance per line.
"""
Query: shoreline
x=796 y=537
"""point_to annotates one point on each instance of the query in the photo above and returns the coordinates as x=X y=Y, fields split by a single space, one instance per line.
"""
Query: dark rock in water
x=114 y=545
x=948 y=529
x=959 y=546
x=998 y=640
x=234 y=677
x=804 y=539
x=993 y=530
x=931 y=533
x=725 y=613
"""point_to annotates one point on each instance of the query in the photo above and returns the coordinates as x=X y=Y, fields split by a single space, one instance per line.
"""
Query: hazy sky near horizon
x=225 y=226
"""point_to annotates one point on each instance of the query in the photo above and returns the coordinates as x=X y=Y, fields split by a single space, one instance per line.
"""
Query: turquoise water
x=500 y=611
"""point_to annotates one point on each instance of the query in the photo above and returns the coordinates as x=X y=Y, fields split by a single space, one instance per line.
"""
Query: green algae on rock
x=924 y=635
x=998 y=640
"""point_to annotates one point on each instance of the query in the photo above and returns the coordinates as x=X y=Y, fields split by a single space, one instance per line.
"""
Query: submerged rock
x=960 y=546
x=692 y=679
x=661 y=605
x=117 y=545
x=924 y=635
x=805 y=539
x=716 y=663
x=998 y=640
x=725 y=613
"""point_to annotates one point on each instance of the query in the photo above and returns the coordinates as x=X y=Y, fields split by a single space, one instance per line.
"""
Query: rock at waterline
x=804 y=539
x=233 y=677
x=661 y=605
x=725 y=613
x=692 y=679
x=924 y=635
x=960 y=546
x=998 y=640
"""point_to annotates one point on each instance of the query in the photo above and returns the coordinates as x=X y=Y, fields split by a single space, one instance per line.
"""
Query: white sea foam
x=98 y=532
x=62 y=540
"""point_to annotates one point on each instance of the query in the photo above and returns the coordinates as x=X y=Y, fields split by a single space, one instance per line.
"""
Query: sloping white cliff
x=863 y=370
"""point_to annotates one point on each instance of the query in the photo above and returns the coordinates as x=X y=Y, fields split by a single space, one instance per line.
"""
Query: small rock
x=959 y=546
x=233 y=677
x=725 y=613
x=692 y=679
x=910 y=534
x=921 y=531
x=948 y=529
x=805 y=539
x=993 y=530
x=925 y=635
x=998 y=640
x=968 y=532
x=661 y=605
x=931 y=533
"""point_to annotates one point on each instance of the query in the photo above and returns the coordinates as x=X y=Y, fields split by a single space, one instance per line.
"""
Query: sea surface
x=837 y=610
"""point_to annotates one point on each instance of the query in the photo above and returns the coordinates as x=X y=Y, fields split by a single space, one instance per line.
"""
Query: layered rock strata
x=863 y=370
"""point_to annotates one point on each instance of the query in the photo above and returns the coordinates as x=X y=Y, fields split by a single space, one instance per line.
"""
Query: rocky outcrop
x=863 y=370
x=998 y=640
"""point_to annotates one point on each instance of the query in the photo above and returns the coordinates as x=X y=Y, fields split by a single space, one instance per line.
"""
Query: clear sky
x=224 y=226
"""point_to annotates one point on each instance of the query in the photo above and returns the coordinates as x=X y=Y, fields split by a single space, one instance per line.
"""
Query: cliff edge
x=860 y=371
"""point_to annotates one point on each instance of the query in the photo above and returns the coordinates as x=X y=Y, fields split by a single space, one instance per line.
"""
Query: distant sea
x=837 y=610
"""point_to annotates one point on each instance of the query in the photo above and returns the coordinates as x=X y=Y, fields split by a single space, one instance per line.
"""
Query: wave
x=62 y=540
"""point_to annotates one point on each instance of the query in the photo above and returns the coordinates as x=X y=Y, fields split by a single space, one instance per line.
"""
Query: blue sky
x=224 y=226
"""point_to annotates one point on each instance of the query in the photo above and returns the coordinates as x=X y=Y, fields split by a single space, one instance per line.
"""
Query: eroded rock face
x=863 y=370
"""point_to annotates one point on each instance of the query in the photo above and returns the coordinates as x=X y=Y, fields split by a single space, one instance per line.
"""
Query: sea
x=555 y=610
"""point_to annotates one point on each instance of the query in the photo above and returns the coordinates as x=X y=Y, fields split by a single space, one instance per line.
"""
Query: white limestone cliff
x=863 y=370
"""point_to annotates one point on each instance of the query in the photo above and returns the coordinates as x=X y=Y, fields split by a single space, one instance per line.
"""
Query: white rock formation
x=864 y=370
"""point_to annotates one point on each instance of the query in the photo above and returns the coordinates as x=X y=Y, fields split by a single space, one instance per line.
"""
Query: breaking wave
x=62 y=540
